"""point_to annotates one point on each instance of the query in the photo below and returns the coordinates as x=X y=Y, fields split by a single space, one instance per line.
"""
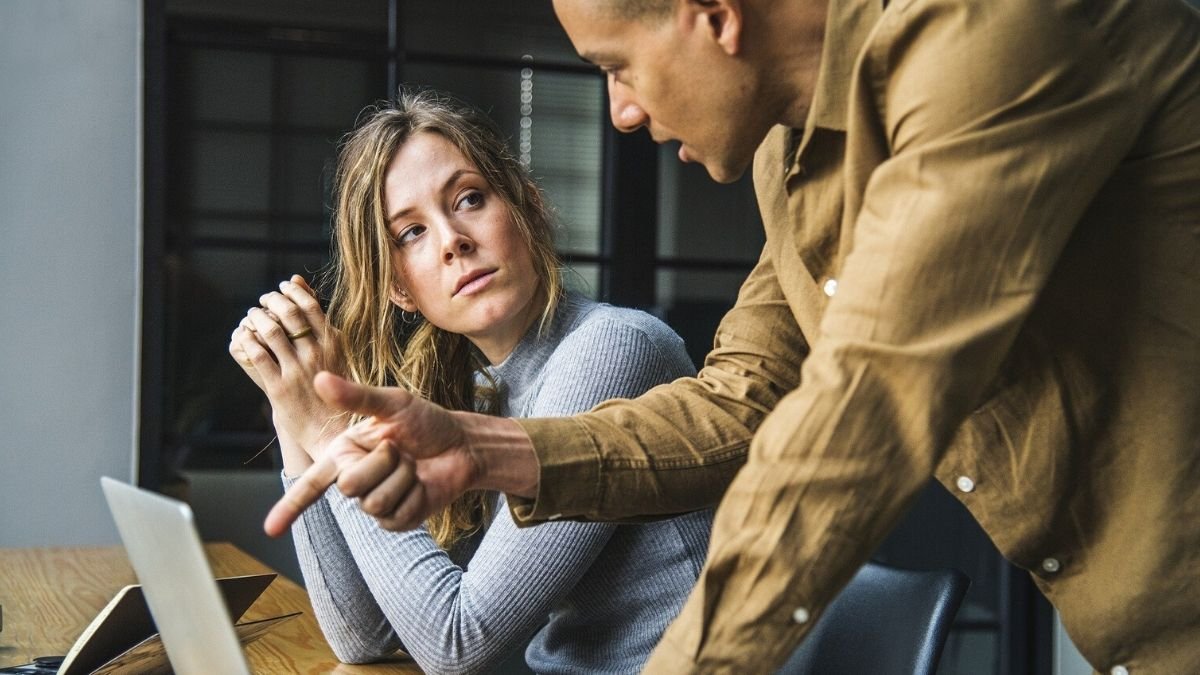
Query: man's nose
x=627 y=115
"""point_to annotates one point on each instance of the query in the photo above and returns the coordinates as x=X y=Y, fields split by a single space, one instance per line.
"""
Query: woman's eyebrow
x=450 y=181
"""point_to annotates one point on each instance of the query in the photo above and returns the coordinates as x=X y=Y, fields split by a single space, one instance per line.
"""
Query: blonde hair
x=380 y=350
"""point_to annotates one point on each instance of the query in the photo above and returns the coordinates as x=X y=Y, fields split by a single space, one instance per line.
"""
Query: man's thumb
x=353 y=397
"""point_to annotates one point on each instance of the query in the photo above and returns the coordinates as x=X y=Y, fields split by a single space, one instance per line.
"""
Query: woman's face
x=458 y=255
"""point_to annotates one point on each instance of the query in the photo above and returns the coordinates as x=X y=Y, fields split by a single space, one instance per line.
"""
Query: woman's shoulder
x=617 y=339
x=598 y=319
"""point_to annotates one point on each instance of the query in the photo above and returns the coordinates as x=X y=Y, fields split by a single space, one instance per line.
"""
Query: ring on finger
x=303 y=332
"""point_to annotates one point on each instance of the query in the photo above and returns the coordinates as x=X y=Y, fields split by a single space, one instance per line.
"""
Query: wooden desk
x=50 y=595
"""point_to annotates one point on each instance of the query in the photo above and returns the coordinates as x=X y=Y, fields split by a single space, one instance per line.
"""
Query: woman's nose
x=457 y=244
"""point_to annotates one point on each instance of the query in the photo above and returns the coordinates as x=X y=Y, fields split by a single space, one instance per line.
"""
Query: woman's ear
x=402 y=299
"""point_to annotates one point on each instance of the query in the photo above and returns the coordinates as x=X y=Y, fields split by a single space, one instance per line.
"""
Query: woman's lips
x=474 y=282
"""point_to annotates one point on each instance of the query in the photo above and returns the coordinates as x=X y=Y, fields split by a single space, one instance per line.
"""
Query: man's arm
x=675 y=448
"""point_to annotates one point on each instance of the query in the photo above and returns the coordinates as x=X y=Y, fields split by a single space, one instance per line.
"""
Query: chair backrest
x=886 y=620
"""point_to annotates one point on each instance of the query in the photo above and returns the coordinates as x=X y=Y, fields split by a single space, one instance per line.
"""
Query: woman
x=446 y=283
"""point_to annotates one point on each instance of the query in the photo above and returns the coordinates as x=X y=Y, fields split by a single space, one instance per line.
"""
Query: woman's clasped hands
x=282 y=344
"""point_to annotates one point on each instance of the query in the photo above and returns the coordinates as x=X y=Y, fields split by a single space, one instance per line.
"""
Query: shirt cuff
x=568 y=472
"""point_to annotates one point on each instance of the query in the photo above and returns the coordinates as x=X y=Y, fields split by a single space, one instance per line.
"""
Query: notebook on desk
x=193 y=612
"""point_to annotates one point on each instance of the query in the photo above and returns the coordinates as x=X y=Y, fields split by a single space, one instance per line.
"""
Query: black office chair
x=885 y=621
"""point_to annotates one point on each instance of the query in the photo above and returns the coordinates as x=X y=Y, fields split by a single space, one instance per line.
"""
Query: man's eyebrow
x=445 y=186
x=596 y=58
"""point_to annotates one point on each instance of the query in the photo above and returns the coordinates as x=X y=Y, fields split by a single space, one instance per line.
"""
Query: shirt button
x=829 y=287
x=800 y=615
x=1119 y=670
x=1052 y=565
x=965 y=484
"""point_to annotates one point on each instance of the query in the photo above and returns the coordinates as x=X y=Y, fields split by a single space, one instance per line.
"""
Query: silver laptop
x=169 y=560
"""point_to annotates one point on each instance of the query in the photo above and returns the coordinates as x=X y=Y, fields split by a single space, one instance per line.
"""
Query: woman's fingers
x=290 y=317
x=271 y=334
x=302 y=295
x=253 y=354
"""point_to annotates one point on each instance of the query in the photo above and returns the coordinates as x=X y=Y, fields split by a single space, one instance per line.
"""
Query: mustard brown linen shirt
x=982 y=263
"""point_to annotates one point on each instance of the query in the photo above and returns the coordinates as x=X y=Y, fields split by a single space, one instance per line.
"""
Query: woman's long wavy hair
x=380 y=349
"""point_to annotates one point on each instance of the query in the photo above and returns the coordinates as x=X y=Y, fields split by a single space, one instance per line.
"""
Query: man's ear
x=401 y=299
x=721 y=20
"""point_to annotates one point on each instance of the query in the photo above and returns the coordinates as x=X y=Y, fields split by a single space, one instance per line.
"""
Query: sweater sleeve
x=351 y=620
x=453 y=620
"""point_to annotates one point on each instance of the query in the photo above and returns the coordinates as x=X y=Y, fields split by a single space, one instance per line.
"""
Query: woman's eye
x=409 y=234
x=471 y=199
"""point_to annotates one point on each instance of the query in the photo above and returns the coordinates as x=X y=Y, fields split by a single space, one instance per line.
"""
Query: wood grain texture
x=49 y=596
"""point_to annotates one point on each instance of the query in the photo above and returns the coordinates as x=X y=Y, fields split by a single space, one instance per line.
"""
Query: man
x=982 y=263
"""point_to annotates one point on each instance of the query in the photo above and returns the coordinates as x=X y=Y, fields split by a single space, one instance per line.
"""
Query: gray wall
x=70 y=102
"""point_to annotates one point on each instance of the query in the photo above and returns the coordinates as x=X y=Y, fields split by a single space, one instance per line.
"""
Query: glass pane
x=306 y=174
x=583 y=278
x=970 y=653
x=563 y=141
x=230 y=277
x=228 y=86
x=486 y=29
x=699 y=218
x=231 y=228
x=496 y=91
x=693 y=303
x=315 y=231
x=228 y=171
x=692 y=287
x=307 y=264
x=206 y=391
x=324 y=91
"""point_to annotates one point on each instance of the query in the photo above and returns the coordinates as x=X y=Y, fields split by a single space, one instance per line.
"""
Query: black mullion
x=276 y=40
x=395 y=47
x=261 y=127
x=1026 y=621
x=251 y=214
x=240 y=244
x=151 y=406
x=629 y=217
x=275 y=187
x=704 y=264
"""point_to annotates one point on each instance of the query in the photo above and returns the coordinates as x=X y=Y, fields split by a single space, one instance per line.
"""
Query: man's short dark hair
x=640 y=9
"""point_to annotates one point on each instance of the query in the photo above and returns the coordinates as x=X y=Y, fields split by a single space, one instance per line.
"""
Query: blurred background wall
x=70 y=114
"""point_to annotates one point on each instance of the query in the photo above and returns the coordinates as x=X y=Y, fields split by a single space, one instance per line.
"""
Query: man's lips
x=472 y=281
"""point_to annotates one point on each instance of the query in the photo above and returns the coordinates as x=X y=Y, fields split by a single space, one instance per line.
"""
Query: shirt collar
x=847 y=26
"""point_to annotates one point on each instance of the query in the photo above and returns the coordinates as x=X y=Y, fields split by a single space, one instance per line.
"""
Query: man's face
x=674 y=77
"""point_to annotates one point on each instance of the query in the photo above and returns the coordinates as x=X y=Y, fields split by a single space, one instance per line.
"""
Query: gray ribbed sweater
x=598 y=595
